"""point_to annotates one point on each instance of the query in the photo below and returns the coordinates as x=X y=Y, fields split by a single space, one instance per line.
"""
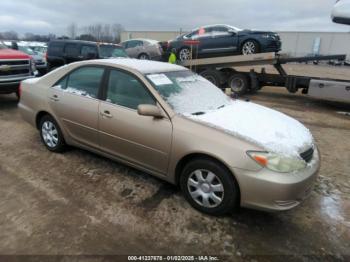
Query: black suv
x=62 y=52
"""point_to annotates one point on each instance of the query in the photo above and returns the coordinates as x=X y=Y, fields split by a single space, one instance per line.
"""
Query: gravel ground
x=78 y=203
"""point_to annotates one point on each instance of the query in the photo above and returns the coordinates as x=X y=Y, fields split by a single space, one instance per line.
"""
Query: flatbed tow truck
x=224 y=73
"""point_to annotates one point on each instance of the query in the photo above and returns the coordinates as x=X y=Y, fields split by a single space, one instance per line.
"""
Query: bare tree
x=72 y=30
x=104 y=32
x=10 y=35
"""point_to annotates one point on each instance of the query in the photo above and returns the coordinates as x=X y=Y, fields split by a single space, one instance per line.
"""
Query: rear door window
x=56 y=48
x=71 y=50
x=135 y=43
x=85 y=81
x=89 y=50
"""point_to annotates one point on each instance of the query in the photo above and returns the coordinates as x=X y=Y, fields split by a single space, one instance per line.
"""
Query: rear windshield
x=109 y=51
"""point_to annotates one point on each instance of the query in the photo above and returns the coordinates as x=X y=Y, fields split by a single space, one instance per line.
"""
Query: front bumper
x=272 y=46
x=8 y=86
x=271 y=191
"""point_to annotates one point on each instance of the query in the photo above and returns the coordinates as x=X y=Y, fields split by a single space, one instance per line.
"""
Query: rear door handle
x=107 y=114
x=54 y=98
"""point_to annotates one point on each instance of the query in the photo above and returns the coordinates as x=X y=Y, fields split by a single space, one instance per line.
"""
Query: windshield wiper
x=221 y=106
x=198 y=113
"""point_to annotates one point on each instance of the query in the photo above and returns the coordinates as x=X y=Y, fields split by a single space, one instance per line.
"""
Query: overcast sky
x=44 y=16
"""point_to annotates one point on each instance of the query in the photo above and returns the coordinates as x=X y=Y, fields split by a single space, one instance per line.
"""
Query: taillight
x=46 y=56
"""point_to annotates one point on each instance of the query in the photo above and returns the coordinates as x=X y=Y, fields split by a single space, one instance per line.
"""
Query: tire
x=222 y=193
x=51 y=134
x=212 y=76
x=184 y=54
x=238 y=83
x=250 y=47
x=143 y=56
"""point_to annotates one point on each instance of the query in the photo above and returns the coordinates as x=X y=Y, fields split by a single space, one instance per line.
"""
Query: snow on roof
x=229 y=26
x=143 y=66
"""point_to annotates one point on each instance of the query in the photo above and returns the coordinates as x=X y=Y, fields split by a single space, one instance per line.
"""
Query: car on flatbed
x=145 y=49
x=63 y=52
x=174 y=124
x=15 y=66
x=223 y=40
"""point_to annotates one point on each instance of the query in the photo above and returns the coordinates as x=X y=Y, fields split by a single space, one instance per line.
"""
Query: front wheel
x=250 y=47
x=51 y=134
x=209 y=187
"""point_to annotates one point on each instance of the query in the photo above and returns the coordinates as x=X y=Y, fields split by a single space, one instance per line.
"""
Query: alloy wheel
x=249 y=48
x=205 y=188
x=144 y=57
x=49 y=134
x=185 y=54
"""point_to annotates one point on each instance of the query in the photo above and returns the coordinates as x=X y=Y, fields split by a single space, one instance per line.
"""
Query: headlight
x=267 y=36
x=277 y=163
x=32 y=66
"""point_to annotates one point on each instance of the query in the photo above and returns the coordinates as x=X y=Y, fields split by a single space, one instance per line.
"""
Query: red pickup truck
x=15 y=66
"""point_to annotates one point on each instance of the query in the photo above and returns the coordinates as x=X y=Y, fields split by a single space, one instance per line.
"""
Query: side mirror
x=149 y=110
x=231 y=32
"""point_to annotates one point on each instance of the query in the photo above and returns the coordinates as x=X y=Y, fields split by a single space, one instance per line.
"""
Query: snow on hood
x=274 y=131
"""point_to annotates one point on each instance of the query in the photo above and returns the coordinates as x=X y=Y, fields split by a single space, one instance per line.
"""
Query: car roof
x=224 y=25
x=143 y=66
x=72 y=41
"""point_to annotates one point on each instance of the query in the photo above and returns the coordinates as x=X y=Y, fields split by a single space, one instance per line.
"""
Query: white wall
x=301 y=43
x=293 y=43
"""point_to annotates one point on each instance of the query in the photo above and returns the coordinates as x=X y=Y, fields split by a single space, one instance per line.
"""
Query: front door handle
x=107 y=114
x=54 y=98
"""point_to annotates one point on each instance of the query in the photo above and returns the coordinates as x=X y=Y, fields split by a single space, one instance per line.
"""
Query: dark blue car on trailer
x=222 y=40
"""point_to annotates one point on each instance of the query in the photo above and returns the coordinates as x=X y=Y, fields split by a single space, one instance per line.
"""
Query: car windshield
x=188 y=93
x=26 y=50
x=108 y=51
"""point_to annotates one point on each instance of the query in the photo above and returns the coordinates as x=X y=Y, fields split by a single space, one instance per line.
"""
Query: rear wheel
x=51 y=134
x=184 y=54
x=238 y=83
x=144 y=56
x=209 y=187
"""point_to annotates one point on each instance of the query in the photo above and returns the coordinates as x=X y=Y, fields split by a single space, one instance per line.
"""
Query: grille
x=307 y=155
x=14 y=68
x=14 y=62
x=14 y=72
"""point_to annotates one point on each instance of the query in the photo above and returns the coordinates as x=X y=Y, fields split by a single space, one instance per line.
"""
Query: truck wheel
x=238 y=83
x=212 y=76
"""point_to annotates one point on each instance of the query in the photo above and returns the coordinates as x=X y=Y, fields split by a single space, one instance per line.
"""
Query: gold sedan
x=170 y=122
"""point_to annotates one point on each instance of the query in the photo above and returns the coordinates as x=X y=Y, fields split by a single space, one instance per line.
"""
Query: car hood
x=269 y=129
x=255 y=32
x=12 y=54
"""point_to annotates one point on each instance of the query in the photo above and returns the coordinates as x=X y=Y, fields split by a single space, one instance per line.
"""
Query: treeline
x=96 y=32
